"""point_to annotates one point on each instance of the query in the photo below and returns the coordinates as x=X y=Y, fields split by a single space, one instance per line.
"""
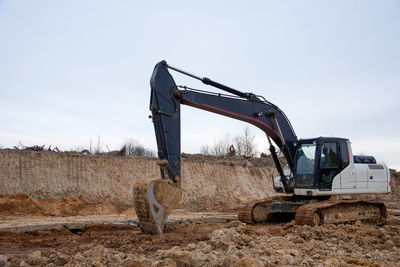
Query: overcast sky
x=71 y=71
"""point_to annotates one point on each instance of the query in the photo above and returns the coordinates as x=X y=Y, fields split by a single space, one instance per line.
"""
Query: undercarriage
x=313 y=211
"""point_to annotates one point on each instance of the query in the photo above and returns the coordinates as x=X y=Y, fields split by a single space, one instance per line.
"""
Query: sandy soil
x=63 y=184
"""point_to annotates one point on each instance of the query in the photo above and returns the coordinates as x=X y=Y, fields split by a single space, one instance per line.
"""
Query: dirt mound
x=22 y=204
x=392 y=200
x=231 y=244
x=19 y=204
x=74 y=184
x=395 y=183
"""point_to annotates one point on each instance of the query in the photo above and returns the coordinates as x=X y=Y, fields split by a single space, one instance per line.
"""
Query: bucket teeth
x=153 y=200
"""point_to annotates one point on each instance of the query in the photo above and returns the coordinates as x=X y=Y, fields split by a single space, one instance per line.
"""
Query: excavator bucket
x=153 y=199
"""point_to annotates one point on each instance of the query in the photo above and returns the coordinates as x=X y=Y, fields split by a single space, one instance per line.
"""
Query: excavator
x=317 y=168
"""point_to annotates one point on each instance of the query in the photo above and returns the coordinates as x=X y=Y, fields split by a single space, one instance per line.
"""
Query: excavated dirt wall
x=49 y=183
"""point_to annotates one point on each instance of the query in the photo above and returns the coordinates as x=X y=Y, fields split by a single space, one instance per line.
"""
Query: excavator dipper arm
x=165 y=103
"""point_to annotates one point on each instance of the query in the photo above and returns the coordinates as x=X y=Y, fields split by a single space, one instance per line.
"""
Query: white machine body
x=356 y=178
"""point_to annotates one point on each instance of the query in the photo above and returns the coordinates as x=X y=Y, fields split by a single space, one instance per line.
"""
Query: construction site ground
x=73 y=210
x=194 y=239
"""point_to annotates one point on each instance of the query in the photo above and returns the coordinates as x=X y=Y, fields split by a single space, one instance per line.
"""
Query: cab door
x=328 y=165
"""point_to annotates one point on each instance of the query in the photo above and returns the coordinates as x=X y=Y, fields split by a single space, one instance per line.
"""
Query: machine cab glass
x=305 y=165
x=319 y=161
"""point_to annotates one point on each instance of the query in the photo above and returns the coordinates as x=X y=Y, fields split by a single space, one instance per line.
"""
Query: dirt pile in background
x=19 y=204
x=392 y=200
x=395 y=183
x=65 y=184
x=222 y=183
x=49 y=183
x=22 y=204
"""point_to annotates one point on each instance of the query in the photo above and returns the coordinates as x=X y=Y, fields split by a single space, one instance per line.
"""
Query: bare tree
x=249 y=147
x=205 y=150
x=221 y=146
x=97 y=148
x=238 y=143
x=134 y=148
x=219 y=149
x=243 y=145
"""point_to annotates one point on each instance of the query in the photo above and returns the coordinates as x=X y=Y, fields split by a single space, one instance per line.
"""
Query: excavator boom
x=165 y=103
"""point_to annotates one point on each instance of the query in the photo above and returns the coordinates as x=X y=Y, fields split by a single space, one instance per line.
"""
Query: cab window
x=328 y=156
x=305 y=159
x=329 y=166
x=304 y=165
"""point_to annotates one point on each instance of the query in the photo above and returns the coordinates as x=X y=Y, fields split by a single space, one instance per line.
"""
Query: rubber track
x=305 y=214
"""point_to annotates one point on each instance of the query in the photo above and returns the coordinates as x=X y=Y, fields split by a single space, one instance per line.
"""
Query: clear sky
x=74 y=70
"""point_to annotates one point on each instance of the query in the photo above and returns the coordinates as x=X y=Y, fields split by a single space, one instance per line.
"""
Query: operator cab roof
x=321 y=138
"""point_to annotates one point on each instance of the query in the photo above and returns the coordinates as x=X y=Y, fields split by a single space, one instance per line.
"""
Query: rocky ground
x=227 y=244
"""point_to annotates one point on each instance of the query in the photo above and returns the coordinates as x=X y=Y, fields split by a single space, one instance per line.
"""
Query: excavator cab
x=318 y=162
